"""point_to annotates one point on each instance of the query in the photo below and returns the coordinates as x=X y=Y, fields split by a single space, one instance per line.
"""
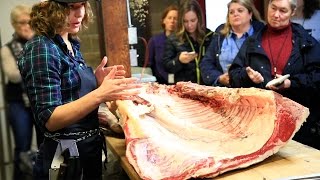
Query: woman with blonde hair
x=243 y=20
x=18 y=109
x=185 y=49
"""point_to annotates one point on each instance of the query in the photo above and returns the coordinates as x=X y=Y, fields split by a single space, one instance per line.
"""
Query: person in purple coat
x=157 y=42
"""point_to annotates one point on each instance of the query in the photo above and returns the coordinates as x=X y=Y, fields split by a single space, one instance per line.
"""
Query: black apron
x=89 y=145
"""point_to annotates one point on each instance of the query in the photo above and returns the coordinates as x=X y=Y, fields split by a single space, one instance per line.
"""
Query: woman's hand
x=224 y=79
x=255 y=76
x=112 y=89
x=101 y=72
x=186 y=57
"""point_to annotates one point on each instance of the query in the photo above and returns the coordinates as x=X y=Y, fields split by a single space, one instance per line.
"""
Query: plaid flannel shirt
x=49 y=74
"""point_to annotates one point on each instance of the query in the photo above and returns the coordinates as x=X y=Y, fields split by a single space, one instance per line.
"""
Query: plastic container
x=145 y=77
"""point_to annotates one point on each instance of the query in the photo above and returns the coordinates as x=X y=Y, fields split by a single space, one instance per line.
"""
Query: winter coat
x=156 y=48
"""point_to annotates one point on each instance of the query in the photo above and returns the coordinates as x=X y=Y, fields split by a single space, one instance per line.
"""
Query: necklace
x=275 y=61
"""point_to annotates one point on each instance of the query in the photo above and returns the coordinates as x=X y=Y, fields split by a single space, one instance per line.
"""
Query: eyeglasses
x=22 y=22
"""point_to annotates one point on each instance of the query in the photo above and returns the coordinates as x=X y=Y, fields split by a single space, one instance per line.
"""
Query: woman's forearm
x=73 y=112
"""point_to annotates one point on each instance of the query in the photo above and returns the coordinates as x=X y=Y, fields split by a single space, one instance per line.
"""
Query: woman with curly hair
x=64 y=92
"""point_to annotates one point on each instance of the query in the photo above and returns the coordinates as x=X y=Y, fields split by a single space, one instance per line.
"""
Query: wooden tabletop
x=293 y=160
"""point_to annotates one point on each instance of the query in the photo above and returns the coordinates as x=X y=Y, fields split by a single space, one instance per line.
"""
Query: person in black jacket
x=243 y=20
x=185 y=49
x=283 y=48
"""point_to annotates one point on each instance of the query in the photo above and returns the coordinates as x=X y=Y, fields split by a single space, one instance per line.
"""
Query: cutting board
x=295 y=159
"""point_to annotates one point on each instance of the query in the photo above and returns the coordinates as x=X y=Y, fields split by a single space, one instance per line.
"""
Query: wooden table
x=294 y=159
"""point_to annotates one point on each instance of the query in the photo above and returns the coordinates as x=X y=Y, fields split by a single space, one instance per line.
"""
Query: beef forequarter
x=188 y=130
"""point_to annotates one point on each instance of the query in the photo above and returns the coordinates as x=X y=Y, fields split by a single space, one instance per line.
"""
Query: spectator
x=185 y=49
x=19 y=111
x=308 y=15
x=283 y=48
x=64 y=92
x=157 y=42
x=242 y=21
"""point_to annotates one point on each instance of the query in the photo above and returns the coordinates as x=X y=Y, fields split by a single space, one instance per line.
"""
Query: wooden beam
x=99 y=19
x=115 y=25
x=266 y=3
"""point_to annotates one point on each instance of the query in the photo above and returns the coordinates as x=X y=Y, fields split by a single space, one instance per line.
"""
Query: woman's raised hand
x=101 y=72
x=118 y=89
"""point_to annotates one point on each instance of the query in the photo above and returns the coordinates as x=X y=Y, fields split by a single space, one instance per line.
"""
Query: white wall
x=6 y=29
x=216 y=13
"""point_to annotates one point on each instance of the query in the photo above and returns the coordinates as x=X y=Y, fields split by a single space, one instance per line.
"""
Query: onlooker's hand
x=224 y=79
x=285 y=85
x=255 y=76
x=186 y=57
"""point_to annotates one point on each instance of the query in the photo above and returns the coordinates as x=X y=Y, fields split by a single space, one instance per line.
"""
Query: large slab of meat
x=187 y=130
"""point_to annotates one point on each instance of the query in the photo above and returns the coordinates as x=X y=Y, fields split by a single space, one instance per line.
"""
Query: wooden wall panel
x=115 y=23
x=203 y=7
x=261 y=6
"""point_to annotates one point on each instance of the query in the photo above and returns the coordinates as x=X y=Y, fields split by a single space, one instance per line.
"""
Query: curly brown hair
x=49 y=18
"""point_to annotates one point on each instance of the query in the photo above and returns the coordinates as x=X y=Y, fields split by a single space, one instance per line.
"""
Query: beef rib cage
x=187 y=130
